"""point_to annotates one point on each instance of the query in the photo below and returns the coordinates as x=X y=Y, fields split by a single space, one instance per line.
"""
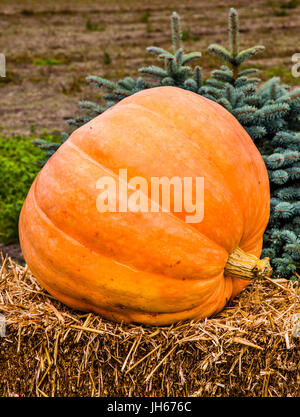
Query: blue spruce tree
x=268 y=111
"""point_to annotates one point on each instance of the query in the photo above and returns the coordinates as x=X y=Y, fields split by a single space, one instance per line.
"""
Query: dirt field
x=51 y=46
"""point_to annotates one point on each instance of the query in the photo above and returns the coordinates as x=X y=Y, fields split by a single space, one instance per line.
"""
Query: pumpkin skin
x=152 y=268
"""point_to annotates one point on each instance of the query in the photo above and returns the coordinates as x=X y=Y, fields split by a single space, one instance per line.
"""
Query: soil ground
x=51 y=46
x=13 y=251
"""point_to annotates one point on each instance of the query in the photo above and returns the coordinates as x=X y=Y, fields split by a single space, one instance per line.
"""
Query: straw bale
x=251 y=348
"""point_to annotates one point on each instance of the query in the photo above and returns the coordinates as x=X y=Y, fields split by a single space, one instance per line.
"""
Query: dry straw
x=249 y=349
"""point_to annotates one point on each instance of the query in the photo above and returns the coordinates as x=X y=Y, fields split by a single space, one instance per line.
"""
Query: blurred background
x=51 y=46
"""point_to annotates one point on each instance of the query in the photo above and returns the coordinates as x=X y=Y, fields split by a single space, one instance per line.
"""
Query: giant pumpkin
x=149 y=267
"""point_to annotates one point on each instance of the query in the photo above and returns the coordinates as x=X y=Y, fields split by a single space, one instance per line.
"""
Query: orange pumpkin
x=149 y=267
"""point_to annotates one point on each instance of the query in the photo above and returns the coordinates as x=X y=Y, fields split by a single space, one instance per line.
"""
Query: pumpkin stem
x=246 y=266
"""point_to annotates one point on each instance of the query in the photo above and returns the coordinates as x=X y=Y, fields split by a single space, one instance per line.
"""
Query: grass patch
x=292 y=4
x=11 y=77
x=75 y=86
x=282 y=72
x=280 y=13
x=145 y=17
x=21 y=59
x=58 y=59
x=27 y=12
x=49 y=12
x=149 y=27
x=280 y=7
x=48 y=61
x=91 y=26
x=37 y=79
x=187 y=36
x=106 y=58
x=18 y=168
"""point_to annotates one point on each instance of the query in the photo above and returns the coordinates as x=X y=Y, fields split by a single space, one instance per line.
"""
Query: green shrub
x=292 y=4
x=145 y=17
x=106 y=58
x=188 y=36
x=18 y=168
x=91 y=26
x=280 y=12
